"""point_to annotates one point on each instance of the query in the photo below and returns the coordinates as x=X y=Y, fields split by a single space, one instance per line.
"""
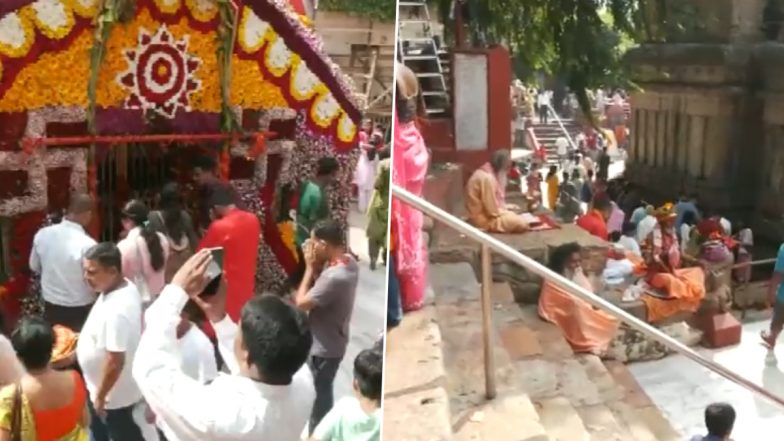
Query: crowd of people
x=163 y=334
x=371 y=178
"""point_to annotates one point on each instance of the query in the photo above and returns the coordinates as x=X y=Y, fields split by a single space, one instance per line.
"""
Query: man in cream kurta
x=485 y=200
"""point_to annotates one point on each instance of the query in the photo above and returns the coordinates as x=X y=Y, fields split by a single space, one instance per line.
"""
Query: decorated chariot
x=116 y=97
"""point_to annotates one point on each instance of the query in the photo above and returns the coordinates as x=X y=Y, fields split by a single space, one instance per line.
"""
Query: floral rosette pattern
x=161 y=75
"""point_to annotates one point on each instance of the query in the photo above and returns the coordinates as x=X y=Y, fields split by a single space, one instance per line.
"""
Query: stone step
x=610 y=402
x=416 y=404
x=511 y=415
x=561 y=420
x=545 y=392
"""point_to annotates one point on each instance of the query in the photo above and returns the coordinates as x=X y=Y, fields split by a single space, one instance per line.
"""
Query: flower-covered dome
x=174 y=66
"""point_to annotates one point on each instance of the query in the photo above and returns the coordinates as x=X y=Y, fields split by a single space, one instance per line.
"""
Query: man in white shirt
x=543 y=105
x=270 y=392
x=562 y=148
x=196 y=352
x=106 y=348
x=646 y=225
x=57 y=255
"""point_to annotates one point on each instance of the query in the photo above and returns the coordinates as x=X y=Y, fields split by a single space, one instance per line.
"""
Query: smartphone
x=214 y=272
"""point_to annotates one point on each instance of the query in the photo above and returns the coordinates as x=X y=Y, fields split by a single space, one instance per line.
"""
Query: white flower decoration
x=305 y=81
x=12 y=31
x=278 y=56
x=326 y=108
x=253 y=31
x=52 y=14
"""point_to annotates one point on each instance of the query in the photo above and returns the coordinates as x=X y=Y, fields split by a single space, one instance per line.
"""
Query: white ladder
x=421 y=54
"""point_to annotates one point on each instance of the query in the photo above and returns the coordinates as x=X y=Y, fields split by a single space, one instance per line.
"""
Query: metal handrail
x=563 y=128
x=489 y=243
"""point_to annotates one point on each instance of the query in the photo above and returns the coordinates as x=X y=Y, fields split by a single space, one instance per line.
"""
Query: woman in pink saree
x=410 y=163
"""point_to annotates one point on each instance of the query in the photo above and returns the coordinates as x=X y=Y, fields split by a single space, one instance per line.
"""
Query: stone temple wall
x=709 y=116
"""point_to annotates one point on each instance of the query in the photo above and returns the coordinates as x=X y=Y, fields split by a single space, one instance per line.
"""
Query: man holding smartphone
x=327 y=293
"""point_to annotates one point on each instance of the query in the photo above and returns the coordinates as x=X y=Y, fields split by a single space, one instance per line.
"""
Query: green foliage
x=227 y=35
x=112 y=12
x=580 y=41
x=381 y=10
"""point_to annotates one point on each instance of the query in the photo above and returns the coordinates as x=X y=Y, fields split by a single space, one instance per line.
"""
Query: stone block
x=526 y=293
x=719 y=330
x=520 y=342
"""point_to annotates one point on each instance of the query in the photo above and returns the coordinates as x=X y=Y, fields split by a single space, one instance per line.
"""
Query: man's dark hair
x=33 y=340
x=689 y=218
x=221 y=195
x=602 y=203
x=276 y=336
x=369 y=373
x=80 y=203
x=615 y=236
x=628 y=228
x=327 y=166
x=105 y=254
x=719 y=419
x=561 y=255
x=590 y=173
x=206 y=163
x=330 y=232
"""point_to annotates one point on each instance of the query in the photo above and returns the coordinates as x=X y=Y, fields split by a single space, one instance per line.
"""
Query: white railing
x=490 y=243
x=563 y=128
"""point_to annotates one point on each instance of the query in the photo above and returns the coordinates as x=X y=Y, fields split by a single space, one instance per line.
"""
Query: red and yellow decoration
x=161 y=74
x=161 y=59
x=164 y=60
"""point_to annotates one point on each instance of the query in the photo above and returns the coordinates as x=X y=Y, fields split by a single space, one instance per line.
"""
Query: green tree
x=381 y=10
x=581 y=41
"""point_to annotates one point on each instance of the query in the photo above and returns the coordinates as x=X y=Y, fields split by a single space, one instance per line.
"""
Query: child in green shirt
x=357 y=418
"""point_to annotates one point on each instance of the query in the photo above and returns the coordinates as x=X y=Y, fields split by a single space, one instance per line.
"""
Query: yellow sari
x=28 y=430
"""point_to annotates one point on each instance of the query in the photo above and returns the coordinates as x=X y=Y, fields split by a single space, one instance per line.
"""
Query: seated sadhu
x=684 y=287
x=485 y=197
x=587 y=329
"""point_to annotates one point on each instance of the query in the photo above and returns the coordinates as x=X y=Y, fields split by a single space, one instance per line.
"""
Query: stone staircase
x=546 y=134
x=434 y=385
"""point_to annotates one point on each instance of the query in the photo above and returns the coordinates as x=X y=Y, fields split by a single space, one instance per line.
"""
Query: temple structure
x=84 y=84
x=708 y=118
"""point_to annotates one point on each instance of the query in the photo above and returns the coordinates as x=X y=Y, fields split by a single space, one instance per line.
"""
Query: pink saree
x=409 y=170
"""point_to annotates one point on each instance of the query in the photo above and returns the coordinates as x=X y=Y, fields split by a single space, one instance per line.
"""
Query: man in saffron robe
x=237 y=232
x=485 y=197
x=595 y=221
x=685 y=287
x=587 y=330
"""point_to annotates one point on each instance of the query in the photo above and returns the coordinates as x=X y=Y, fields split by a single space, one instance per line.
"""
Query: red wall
x=439 y=134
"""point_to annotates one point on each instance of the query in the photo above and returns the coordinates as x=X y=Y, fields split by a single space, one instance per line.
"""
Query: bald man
x=485 y=197
x=57 y=255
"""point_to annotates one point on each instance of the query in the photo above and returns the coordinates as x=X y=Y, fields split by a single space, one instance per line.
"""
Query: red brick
x=720 y=330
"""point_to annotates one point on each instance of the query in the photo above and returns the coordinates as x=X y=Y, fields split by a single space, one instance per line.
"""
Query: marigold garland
x=287 y=235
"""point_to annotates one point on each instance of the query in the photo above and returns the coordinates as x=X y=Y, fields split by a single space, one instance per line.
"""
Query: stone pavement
x=682 y=389
x=369 y=318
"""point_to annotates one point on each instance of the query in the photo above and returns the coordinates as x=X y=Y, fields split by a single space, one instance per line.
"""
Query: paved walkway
x=682 y=389
x=369 y=317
